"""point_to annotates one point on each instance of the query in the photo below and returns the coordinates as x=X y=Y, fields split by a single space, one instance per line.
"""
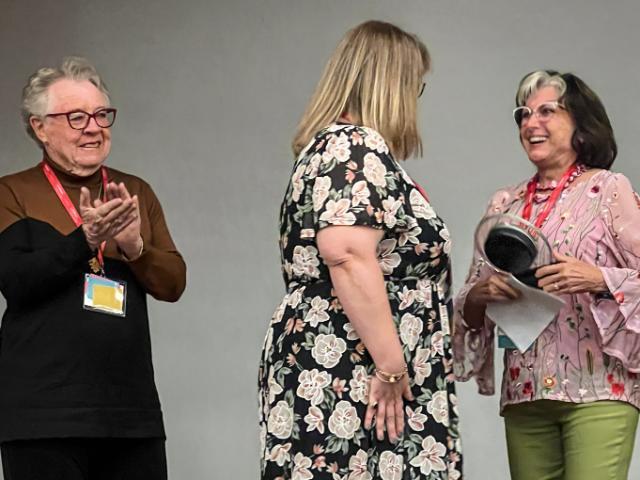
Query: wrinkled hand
x=387 y=406
x=493 y=289
x=128 y=239
x=102 y=221
x=570 y=275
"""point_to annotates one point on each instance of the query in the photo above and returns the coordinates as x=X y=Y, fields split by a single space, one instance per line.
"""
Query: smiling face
x=548 y=141
x=79 y=152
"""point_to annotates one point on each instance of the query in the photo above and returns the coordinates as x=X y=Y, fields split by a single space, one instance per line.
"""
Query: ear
x=37 y=124
x=577 y=141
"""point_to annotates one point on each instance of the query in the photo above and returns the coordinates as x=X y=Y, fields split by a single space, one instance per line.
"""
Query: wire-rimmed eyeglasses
x=544 y=112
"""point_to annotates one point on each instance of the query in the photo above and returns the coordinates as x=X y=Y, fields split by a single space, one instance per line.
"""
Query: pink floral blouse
x=591 y=351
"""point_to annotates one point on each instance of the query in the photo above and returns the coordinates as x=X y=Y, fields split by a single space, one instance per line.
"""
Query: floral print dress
x=591 y=351
x=314 y=373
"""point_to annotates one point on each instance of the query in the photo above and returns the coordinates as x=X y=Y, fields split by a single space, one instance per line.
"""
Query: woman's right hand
x=103 y=221
x=493 y=289
x=386 y=404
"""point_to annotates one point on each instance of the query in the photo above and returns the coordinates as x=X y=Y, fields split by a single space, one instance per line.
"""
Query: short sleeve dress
x=314 y=372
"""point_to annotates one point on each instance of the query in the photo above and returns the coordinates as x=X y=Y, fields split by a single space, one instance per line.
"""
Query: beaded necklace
x=543 y=191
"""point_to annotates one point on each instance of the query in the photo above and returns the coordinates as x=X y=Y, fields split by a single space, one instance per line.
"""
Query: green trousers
x=551 y=440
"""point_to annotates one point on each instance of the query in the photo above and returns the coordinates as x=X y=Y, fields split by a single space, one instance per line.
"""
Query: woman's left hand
x=385 y=407
x=129 y=239
x=569 y=275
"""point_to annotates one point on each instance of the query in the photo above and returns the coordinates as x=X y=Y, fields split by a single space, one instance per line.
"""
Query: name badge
x=505 y=342
x=104 y=295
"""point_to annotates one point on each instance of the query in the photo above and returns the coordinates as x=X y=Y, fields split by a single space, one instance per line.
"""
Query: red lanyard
x=422 y=191
x=68 y=204
x=551 y=202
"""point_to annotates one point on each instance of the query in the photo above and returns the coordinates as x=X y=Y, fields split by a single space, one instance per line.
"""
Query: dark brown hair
x=593 y=139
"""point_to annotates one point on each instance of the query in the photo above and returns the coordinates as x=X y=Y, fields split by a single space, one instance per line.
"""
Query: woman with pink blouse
x=570 y=402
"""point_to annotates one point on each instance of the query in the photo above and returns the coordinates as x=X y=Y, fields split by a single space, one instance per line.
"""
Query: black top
x=66 y=371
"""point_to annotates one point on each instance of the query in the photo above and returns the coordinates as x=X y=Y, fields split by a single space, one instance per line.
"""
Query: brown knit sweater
x=66 y=371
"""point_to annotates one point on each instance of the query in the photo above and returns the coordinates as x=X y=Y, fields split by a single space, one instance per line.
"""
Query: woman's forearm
x=359 y=285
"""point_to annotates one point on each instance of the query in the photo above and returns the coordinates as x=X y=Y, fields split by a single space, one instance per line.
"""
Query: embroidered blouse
x=591 y=351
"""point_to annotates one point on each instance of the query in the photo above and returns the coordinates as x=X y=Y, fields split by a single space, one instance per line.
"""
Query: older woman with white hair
x=81 y=246
x=570 y=402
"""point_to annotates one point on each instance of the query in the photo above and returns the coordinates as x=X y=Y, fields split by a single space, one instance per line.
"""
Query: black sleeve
x=27 y=274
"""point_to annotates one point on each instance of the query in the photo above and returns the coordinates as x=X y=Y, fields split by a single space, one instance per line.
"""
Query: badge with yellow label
x=104 y=295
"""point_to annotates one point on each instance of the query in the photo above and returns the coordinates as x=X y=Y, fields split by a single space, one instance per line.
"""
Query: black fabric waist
x=29 y=424
x=63 y=365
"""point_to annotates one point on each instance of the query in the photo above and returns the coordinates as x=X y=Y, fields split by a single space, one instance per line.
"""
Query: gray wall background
x=209 y=93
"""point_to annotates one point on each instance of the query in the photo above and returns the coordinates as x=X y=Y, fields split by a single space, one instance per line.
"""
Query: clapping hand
x=102 y=221
x=128 y=238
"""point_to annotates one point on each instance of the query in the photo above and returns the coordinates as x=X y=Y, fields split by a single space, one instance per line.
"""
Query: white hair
x=536 y=81
x=35 y=98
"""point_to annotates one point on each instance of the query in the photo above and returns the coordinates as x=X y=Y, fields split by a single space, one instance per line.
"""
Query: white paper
x=524 y=319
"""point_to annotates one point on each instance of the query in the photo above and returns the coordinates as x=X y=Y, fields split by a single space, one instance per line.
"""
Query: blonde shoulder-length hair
x=375 y=76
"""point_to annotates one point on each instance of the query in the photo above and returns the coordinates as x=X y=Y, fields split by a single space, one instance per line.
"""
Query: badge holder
x=104 y=295
x=505 y=342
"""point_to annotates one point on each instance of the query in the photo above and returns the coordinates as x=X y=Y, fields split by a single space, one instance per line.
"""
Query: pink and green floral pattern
x=592 y=350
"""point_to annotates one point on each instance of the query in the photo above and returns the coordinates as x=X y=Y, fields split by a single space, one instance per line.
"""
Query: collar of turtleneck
x=69 y=180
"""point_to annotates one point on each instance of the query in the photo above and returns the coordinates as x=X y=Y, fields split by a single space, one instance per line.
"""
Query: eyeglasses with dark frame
x=545 y=111
x=79 y=119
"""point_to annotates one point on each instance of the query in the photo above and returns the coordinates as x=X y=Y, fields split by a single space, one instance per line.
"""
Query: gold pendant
x=94 y=265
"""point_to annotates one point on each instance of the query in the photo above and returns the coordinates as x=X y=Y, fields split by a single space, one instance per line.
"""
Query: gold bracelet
x=387 y=377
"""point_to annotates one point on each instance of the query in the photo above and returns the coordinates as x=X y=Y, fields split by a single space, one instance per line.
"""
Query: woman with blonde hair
x=355 y=379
